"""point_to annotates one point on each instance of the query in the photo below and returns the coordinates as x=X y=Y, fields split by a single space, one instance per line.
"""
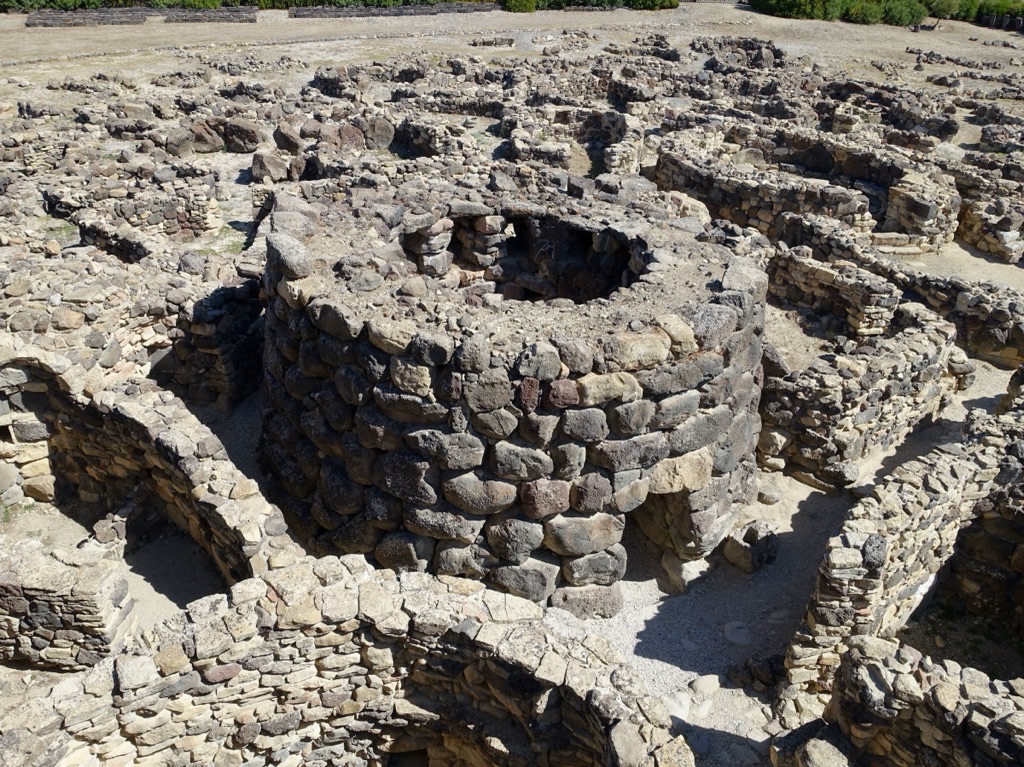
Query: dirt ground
x=846 y=47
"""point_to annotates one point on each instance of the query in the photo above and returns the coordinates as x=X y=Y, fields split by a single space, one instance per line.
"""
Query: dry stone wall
x=194 y=323
x=138 y=206
x=478 y=376
x=900 y=709
x=511 y=452
x=110 y=445
x=991 y=218
x=25 y=475
x=984 y=314
x=986 y=569
x=864 y=301
x=750 y=200
x=994 y=226
x=887 y=556
x=65 y=608
x=95 y=17
x=327 y=661
x=820 y=420
x=329 y=12
x=750 y=177
x=216 y=345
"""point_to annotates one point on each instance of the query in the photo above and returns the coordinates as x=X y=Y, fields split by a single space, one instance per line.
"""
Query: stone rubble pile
x=905 y=709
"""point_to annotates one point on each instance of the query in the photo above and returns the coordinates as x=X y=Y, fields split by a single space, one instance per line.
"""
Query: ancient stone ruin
x=491 y=313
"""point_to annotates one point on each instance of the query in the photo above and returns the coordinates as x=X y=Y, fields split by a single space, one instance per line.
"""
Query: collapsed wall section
x=906 y=710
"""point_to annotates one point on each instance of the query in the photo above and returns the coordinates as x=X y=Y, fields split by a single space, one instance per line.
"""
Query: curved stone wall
x=750 y=175
x=865 y=302
x=116 y=444
x=888 y=554
x=984 y=314
x=499 y=383
x=987 y=568
x=328 y=661
x=188 y=320
x=888 y=365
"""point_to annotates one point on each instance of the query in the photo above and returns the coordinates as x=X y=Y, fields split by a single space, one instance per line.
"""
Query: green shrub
x=896 y=12
x=833 y=10
x=790 y=9
x=863 y=12
x=903 y=13
x=968 y=10
x=944 y=9
x=651 y=5
x=1000 y=8
x=520 y=6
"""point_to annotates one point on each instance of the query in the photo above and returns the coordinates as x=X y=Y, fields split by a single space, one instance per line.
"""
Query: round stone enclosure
x=417 y=410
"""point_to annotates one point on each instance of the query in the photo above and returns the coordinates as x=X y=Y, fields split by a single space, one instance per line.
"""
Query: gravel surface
x=167 y=573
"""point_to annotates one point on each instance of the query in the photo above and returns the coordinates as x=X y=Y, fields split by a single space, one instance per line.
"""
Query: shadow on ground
x=167 y=570
x=763 y=609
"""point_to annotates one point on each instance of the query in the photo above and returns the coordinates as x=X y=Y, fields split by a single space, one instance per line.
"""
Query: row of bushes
x=529 y=6
x=999 y=8
x=896 y=12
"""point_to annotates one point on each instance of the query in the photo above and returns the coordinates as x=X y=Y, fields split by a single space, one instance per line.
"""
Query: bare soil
x=844 y=47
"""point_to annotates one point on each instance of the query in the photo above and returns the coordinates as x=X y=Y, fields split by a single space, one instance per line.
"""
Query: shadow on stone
x=216 y=354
